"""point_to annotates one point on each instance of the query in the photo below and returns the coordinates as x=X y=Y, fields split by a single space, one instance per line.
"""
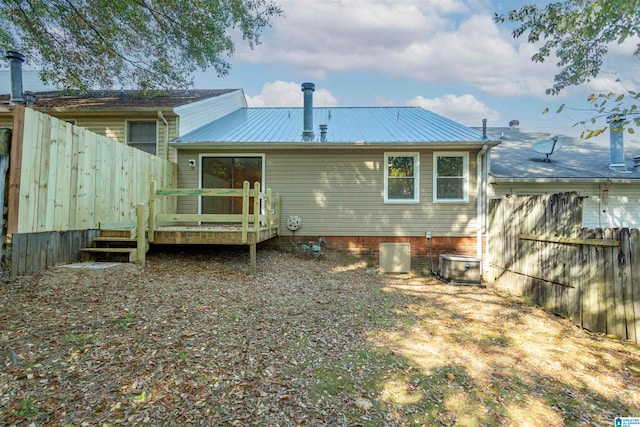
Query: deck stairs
x=114 y=245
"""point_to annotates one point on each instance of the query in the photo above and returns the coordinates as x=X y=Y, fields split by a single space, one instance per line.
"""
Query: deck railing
x=250 y=222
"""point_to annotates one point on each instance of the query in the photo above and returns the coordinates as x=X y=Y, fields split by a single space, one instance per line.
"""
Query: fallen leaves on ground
x=193 y=340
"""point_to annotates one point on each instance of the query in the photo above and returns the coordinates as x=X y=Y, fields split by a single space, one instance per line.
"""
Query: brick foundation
x=366 y=248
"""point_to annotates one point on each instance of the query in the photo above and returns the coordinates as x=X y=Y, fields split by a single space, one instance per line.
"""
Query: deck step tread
x=114 y=239
x=110 y=250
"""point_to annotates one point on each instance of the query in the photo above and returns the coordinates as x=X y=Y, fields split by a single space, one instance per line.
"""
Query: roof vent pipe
x=308 y=89
x=484 y=128
x=323 y=132
x=15 y=62
x=616 y=136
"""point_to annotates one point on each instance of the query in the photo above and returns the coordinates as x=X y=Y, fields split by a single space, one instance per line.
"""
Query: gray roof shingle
x=577 y=159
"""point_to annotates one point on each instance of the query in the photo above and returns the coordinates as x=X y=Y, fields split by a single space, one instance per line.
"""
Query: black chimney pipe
x=16 y=59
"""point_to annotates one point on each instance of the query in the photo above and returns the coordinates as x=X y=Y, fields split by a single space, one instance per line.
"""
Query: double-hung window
x=450 y=177
x=142 y=135
x=401 y=178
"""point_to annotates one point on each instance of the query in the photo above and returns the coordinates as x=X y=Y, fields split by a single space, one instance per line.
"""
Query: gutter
x=300 y=145
x=166 y=135
x=498 y=181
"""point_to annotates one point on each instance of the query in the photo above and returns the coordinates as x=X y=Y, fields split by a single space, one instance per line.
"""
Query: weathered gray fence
x=538 y=249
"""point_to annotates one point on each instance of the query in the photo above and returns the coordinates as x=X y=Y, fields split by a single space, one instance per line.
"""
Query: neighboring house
x=398 y=180
x=612 y=193
x=145 y=122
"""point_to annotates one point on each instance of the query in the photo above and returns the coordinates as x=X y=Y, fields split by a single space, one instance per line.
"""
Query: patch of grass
x=183 y=354
x=328 y=381
x=494 y=339
x=79 y=340
x=124 y=323
x=28 y=409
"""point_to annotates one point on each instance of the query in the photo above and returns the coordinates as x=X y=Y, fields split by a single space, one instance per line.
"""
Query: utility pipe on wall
x=481 y=174
x=166 y=135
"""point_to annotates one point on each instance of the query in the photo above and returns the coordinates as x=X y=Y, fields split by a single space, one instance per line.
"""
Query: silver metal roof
x=577 y=159
x=345 y=125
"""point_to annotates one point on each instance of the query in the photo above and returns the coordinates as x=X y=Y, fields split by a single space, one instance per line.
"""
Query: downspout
x=166 y=135
x=481 y=198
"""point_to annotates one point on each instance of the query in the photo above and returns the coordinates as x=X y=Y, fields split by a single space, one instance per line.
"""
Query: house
x=604 y=172
x=145 y=122
x=392 y=185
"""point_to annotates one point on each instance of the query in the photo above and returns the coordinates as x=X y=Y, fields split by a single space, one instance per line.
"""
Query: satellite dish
x=547 y=147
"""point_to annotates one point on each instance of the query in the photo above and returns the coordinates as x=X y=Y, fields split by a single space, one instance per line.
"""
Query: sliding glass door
x=228 y=172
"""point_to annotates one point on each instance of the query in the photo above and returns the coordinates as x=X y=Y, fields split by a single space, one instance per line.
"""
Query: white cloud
x=289 y=94
x=466 y=109
x=606 y=84
x=435 y=41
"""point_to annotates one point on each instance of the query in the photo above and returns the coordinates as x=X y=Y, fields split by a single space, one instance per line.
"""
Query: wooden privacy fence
x=538 y=249
x=64 y=177
x=65 y=181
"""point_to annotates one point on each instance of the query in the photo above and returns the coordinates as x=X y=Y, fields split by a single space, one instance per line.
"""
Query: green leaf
x=560 y=108
x=620 y=98
x=631 y=131
x=545 y=111
x=151 y=45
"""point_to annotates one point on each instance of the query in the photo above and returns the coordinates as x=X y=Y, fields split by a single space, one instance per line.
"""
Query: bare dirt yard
x=193 y=340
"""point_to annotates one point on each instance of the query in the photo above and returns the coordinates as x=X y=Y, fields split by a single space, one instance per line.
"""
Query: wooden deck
x=208 y=235
x=248 y=228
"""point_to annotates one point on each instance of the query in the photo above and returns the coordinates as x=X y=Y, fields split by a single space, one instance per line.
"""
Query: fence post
x=141 y=244
x=15 y=169
x=152 y=211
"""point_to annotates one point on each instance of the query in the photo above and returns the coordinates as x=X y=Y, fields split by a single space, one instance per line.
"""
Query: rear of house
x=398 y=181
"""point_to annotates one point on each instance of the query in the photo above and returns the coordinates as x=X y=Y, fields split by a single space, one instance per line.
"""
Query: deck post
x=245 y=210
x=152 y=210
x=278 y=211
x=252 y=259
x=256 y=207
x=141 y=245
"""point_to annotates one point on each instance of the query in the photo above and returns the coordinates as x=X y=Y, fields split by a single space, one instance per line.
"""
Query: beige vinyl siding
x=619 y=206
x=188 y=177
x=340 y=193
x=114 y=126
x=197 y=114
x=6 y=122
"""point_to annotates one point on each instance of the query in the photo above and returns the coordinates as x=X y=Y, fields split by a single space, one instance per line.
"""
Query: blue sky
x=445 y=55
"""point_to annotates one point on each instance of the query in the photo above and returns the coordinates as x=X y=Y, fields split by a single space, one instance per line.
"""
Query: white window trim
x=126 y=130
x=204 y=155
x=416 y=177
x=465 y=180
